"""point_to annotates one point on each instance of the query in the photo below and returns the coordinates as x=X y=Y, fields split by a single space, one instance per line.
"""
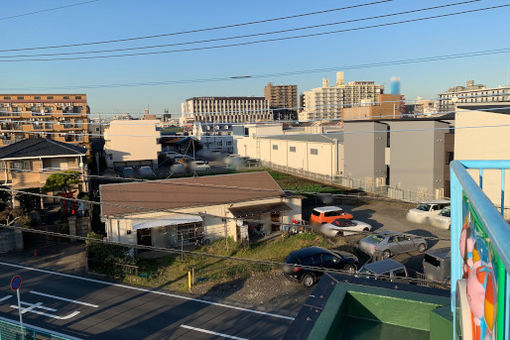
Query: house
x=28 y=163
x=160 y=213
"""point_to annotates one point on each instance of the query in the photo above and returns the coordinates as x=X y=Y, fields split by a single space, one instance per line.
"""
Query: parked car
x=426 y=210
x=317 y=257
x=146 y=171
x=442 y=220
x=177 y=168
x=172 y=154
x=328 y=215
x=127 y=171
x=200 y=166
x=343 y=227
x=388 y=270
x=388 y=243
x=436 y=265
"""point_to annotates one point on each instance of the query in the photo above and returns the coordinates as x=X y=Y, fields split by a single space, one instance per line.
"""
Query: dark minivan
x=316 y=257
x=436 y=265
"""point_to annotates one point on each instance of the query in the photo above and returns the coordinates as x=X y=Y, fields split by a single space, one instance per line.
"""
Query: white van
x=426 y=210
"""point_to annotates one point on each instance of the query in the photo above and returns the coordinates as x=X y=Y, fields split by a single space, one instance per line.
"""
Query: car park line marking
x=212 y=333
x=64 y=299
x=40 y=306
x=30 y=307
x=40 y=329
x=5 y=298
x=144 y=290
x=73 y=314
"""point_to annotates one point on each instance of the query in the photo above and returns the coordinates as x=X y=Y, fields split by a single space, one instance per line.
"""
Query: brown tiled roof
x=175 y=193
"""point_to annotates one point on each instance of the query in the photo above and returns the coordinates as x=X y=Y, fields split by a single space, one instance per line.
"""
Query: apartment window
x=49 y=97
x=20 y=98
x=66 y=97
x=275 y=147
x=21 y=165
x=292 y=149
x=77 y=97
x=37 y=98
x=314 y=151
x=7 y=98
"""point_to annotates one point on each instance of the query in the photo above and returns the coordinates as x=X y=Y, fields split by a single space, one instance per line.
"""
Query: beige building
x=386 y=106
x=212 y=206
x=132 y=142
x=62 y=117
x=472 y=94
x=283 y=101
x=224 y=110
x=473 y=141
x=317 y=154
x=326 y=102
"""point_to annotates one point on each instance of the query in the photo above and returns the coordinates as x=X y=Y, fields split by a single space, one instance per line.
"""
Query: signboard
x=16 y=282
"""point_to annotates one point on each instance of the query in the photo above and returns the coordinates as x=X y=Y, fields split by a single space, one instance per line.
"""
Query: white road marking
x=40 y=306
x=73 y=314
x=149 y=291
x=5 y=298
x=64 y=299
x=40 y=329
x=30 y=307
x=213 y=333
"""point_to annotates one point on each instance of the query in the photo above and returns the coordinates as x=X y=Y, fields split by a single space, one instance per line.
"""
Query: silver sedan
x=390 y=243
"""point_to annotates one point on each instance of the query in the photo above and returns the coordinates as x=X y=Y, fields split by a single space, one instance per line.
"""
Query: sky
x=114 y=19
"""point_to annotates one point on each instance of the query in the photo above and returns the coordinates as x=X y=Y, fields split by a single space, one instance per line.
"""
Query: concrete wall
x=364 y=150
x=417 y=157
x=131 y=140
x=215 y=227
x=484 y=144
x=10 y=240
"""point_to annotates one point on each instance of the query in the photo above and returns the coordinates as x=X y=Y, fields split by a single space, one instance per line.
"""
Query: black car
x=317 y=257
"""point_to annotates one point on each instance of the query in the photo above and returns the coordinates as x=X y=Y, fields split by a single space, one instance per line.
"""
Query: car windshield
x=316 y=213
x=342 y=222
x=423 y=206
x=445 y=212
x=376 y=238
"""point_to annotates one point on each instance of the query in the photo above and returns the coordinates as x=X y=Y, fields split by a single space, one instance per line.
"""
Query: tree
x=62 y=181
x=9 y=216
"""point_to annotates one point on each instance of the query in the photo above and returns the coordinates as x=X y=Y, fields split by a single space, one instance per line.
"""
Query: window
x=328 y=259
x=275 y=147
x=66 y=97
x=37 y=98
x=49 y=97
x=20 y=98
x=313 y=260
x=400 y=273
x=77 y=97
x=333 y=213
x=316 y=213
x=314 y=151
x=7 y=98
x=431 y=260
x=292 y=149
x=21 y=165
x=229 y=143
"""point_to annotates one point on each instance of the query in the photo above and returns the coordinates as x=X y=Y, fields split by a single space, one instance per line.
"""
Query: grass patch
x=170 y=272
x=300 y=185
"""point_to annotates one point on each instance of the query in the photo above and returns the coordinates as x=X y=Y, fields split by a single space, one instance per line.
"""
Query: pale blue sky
x=110 y=19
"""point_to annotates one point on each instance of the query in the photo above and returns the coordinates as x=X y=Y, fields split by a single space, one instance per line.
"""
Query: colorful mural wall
x=481 y=292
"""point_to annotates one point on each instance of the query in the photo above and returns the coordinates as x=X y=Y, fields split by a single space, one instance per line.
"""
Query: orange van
x=328 y=214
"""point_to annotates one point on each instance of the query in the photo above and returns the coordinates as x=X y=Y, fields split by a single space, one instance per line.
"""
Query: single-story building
x=161 y=213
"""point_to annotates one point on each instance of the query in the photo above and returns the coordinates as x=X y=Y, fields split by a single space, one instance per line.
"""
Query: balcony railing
x=480 y=254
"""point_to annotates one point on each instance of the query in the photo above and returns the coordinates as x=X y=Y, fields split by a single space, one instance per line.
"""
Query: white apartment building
x=472 y=94
x=326 y=102
x=225 y=110
x=132 y=142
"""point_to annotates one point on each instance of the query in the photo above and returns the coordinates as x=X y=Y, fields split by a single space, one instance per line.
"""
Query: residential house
x=160 y=213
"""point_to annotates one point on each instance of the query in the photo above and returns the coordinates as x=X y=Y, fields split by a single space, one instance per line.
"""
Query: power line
x=233 y=37
x=176 y=251
x=46 y=10
x=194 y=30
x=255 y=41
x=454 y=56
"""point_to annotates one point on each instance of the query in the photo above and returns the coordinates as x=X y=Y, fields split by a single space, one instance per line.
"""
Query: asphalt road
x=93 y=309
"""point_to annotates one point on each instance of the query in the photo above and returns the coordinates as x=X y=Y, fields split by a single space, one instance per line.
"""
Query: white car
x=200 y=166
x=442 y=220
x=426 y=210
x=344 y=227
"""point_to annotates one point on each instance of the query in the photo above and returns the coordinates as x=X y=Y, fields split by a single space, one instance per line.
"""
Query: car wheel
x=350 y=268
x=308 y=280
x=340 y=233
x=365 y=229
x=422 y=248
x=386 y=254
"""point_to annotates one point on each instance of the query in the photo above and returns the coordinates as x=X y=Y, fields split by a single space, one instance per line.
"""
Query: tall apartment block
x=470 y=94
x=283 y=101
x=225 y=110
x=326 y=102
x=61 y=117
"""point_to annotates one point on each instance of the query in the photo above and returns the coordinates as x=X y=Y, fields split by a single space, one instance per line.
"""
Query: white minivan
x=426 y=210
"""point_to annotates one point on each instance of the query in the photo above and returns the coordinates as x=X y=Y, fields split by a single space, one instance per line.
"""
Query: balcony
x=480 y=267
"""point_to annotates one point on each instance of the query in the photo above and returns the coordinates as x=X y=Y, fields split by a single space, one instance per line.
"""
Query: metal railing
x=480 y=267
x=11 y=330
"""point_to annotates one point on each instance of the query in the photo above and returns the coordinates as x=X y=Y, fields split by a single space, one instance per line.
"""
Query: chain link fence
x=13 y=331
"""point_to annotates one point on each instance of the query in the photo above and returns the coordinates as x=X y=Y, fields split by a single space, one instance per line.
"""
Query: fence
x=480 y=267
x=11 y=330
x=366 y=185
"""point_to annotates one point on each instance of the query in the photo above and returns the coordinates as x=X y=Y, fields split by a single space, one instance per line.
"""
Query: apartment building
x=62 y=117
x=326 y=102
x=224 y=110
x=283 y=101
x=132 y=143
x=386 y=106
x=472 y=94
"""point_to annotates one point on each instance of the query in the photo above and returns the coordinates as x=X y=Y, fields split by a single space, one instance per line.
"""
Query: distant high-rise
x=395 y=86
x=282 y=100
x=472 y=93
x=326 y=102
